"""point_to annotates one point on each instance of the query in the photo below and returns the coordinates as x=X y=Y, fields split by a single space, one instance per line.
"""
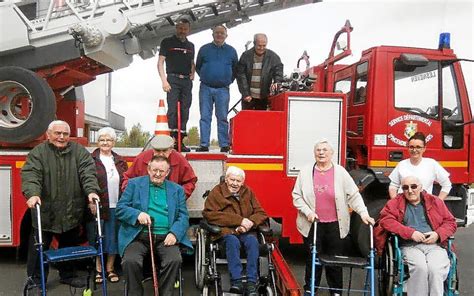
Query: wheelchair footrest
x=344 y=261
x=70 y=253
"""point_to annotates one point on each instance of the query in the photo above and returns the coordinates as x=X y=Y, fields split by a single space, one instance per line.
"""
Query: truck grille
x=360 y=126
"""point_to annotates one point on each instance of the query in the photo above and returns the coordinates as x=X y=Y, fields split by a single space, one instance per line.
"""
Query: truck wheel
x=361 y=232
x=27 y=105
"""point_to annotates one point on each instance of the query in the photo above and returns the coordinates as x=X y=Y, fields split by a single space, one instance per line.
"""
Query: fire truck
x=367 y=109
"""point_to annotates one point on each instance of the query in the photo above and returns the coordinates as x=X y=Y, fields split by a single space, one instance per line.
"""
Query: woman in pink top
x=323 y=193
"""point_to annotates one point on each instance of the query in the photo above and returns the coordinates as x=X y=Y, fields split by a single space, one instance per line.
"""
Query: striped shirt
x=255 y=90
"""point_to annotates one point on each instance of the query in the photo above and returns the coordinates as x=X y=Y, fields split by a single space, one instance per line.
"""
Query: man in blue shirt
x=215 y=65
x=152 y=200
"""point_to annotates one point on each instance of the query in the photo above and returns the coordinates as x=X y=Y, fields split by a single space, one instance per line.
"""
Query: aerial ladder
x=47 y=48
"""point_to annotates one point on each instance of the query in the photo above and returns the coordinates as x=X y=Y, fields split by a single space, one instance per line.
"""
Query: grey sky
x=136 y=89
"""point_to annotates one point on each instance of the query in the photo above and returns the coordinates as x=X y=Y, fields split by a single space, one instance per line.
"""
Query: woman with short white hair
x=110 y=168
x=323 y=193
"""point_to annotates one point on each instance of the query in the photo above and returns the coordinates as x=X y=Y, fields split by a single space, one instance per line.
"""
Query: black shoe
x=32 y=282
x=225 y=149
x=237 y=287
x=251 y=289
x=183 y=148
x=202 y=149
x=76 y=282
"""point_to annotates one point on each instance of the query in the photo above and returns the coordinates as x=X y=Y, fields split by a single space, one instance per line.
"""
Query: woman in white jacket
x=323 y=192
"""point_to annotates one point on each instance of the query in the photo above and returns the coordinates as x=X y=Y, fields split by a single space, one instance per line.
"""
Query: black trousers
x=180 y=91
x=328 y=242
x=169 y=258
x=255 y=104
x=66 y=239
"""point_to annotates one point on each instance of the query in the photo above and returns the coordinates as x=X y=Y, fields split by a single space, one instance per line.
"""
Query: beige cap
x=161 y=142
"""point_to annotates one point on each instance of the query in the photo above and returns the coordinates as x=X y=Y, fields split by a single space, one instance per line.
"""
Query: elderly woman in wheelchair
x=233 y=207
x=423 y=224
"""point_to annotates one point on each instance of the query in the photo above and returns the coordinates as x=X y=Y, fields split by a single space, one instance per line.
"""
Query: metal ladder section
x=146 y=21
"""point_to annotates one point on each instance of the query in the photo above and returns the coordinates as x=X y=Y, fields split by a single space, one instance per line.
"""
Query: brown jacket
x=224 y=210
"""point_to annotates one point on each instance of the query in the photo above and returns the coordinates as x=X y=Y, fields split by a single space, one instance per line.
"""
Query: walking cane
x=155 y=278
x=313 y=258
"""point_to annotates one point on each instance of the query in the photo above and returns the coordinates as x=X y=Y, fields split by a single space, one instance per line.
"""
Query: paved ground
x=12 y=271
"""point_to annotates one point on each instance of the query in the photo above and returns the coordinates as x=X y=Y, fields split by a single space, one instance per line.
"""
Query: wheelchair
x=68 y=254
x=211 y=254
x=393 y=272
x=366 y=263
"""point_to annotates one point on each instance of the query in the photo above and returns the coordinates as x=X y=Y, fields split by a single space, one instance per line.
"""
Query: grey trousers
x=428 y=266
x=168 y=258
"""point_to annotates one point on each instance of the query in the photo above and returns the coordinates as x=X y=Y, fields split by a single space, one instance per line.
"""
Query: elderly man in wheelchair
x=234 y=207
x=424 y=225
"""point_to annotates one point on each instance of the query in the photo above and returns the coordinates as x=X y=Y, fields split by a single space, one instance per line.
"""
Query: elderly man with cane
x=152 y=206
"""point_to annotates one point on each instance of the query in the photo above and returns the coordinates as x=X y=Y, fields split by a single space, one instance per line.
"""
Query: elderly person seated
x=323 y=192
x=233 y=206
x=152 y=200
x=424 y=225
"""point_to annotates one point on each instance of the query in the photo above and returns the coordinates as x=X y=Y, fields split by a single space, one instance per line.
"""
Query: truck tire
x=361 y=232
x=27 y=105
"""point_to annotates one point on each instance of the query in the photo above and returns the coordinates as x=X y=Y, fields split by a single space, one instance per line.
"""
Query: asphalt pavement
x=13 y=270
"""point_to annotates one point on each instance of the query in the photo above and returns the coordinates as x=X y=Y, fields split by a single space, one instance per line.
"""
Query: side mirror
x=409 y=62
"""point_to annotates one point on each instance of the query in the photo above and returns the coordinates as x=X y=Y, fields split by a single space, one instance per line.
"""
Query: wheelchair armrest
x=213 y=229
x=264 y=229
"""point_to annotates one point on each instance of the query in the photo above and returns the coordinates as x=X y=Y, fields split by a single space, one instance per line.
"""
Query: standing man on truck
x=178 y=52
x=215 y=65
x=258 y=72
x=60 y=176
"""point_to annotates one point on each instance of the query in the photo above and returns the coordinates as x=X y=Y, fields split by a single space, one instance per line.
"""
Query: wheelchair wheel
x=387 y=271
x=267 y=292
x=200 y=259
x=454 y=281
x=211 y=290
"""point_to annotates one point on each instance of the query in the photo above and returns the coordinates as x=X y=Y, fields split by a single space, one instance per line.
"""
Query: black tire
x=23 y=91
x=387 y=271
x=361 y=232
x=200 y=259
x=268 y=291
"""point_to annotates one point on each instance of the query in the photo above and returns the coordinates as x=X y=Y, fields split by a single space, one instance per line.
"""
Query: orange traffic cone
x=161 y=127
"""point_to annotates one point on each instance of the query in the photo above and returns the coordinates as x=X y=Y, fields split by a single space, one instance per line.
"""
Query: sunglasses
x=412 y=186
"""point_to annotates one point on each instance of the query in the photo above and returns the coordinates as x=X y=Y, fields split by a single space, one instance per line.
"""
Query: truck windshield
x=416 y=89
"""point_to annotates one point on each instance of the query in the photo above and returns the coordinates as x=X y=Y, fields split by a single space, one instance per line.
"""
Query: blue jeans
x=208 y=96
x=232 y=245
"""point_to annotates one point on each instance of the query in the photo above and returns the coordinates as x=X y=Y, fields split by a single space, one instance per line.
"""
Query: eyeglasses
x=105 y=140
x=415 y=147
x=412 y=186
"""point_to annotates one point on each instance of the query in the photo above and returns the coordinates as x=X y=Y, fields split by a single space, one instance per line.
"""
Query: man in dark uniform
x=178 y=52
